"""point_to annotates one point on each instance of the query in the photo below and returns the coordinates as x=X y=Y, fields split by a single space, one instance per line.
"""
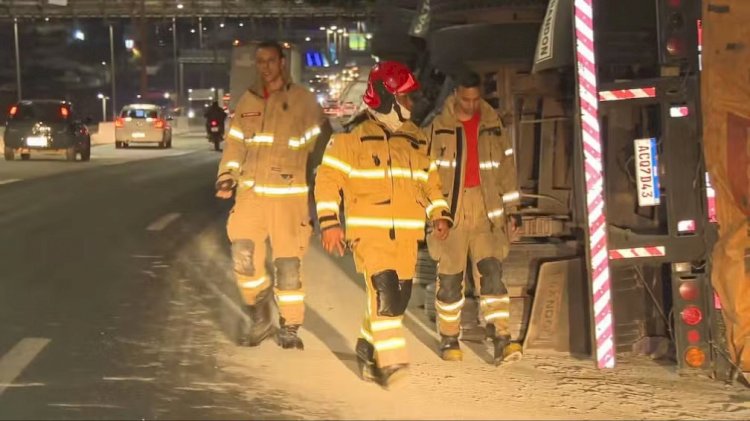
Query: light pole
x=112 y=70
x=104 y=99
x=18 y=59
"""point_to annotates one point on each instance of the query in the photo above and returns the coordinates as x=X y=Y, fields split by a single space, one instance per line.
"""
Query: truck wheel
x=9 y=155
x=25 y=156
x=86 y=153
x=70 y=153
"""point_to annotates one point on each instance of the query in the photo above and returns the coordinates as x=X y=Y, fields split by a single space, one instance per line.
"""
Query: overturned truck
x=660 y=220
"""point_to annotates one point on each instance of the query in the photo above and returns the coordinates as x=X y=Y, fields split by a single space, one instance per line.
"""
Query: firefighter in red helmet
x=389 y=187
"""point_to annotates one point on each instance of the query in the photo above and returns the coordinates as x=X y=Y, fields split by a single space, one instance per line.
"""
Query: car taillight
x=120 y=122
x=13 y=111
x=214 y=123
x=64 y=112
x=691 y=315
x=159 y=124
x=695 y=357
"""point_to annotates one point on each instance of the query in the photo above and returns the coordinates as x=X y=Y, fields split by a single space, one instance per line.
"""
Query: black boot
x=366 y=360
x=392 y=375
x=288 y=338
x=260 y=320
x=450 y=350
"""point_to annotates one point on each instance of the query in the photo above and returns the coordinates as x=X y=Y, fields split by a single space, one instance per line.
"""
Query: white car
x=141 y=124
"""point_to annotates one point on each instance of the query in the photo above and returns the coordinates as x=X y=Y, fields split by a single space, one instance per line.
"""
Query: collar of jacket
x=408 y=127
x=257 y=88
x=447 y=116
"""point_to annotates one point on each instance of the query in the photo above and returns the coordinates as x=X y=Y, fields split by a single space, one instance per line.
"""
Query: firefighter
x=389 y=186
x=475 y=161
x=275 y=126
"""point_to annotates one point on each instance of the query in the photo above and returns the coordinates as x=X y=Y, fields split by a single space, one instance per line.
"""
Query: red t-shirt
x=471 y=131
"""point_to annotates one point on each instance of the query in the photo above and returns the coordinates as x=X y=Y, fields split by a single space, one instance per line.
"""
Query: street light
x=104 y=99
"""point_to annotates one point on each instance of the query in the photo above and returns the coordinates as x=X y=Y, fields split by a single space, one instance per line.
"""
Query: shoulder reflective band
x=495 y=213
x=488 y=165
x=237 y=134
x=296 y=143
x=509 y=152
x=359 y=221
x=337 y=164
x=327 y=206
x=511 y=197
x=233 y=165
x=436 y=204
x=281 y=191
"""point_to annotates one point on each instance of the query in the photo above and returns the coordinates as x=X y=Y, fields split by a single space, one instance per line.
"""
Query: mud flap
x=559 y=319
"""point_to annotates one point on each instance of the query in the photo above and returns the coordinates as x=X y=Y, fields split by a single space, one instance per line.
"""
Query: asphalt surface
x=97 y=318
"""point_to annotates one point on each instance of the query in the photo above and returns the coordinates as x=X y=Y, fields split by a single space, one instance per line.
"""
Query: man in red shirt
x=474 y=157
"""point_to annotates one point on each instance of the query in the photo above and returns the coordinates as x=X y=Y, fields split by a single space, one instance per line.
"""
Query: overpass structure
x=186 y=8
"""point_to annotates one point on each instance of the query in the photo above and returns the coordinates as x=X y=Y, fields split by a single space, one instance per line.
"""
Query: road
x=116 y=302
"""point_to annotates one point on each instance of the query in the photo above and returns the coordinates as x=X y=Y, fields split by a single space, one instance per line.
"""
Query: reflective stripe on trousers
x=386 y=334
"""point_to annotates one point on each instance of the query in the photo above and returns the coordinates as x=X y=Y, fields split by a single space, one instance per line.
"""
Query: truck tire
x=25 y=156
x=452 y=46
x=86 y=152
x=9 y=154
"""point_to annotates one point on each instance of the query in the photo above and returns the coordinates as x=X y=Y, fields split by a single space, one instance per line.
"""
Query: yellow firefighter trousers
x=385 y=334
x=286 y=222
x=473 y=236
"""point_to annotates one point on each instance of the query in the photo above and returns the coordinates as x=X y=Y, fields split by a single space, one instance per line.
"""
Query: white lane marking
x=84 y=405
x=163 y=222
x=10 y=180
x=144 y=256
x=20 y=356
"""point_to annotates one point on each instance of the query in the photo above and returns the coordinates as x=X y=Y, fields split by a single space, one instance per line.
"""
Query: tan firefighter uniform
x=389 y=188
x=479 y=215
x=265 y=152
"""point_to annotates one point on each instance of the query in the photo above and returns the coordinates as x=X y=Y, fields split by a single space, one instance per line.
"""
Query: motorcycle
x=215 y=131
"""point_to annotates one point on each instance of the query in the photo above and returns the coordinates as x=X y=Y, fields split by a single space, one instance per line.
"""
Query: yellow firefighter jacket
x=389 y=184
x=497 y=170
x=269 y=140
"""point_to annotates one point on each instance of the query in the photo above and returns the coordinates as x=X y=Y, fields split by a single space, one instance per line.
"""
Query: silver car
x=141 y=124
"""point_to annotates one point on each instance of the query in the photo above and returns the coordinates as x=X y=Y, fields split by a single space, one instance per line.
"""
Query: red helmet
x=391 y=77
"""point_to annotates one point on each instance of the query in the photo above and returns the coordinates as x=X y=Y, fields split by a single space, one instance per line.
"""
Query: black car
x=45 y=125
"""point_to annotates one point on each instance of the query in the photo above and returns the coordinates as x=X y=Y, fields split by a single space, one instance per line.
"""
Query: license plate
x=139 y=135
x=647 y=172
x=214 y=130
x=36 y=141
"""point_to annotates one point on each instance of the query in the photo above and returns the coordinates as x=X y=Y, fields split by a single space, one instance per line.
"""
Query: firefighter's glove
x=333 y=240
x=441 y=229
x=224 y=188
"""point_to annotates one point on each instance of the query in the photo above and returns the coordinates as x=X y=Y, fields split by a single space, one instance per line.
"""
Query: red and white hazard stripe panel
x=659 y=251
x=627 y=94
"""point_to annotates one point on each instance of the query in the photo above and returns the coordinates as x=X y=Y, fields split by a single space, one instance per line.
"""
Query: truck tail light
x=695 y=357
x=686 y=226
x=159 y=124
x=120 y=122
x=13 y=110
x=64 y=112
x=691 y=315
x=214 y=123
x=693 y=337
x=689 y=290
